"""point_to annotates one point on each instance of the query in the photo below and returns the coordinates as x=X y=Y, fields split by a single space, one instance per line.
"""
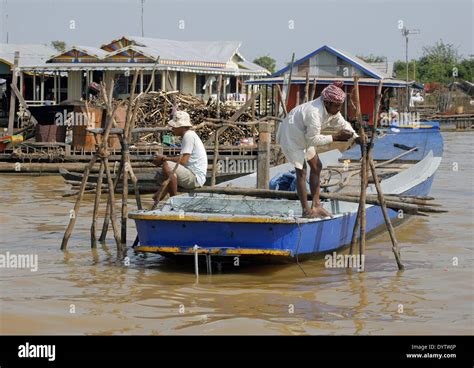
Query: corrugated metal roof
x=144 y=66
x=385 y=67
x=30 y=54
x=211 y=51
x=174 y=55
x=388 y=82
x=251 y=66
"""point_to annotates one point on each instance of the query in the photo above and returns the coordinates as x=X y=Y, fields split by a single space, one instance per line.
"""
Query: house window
x=200 y=82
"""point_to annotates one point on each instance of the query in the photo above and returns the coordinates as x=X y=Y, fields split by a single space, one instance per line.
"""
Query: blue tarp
x=285 y=181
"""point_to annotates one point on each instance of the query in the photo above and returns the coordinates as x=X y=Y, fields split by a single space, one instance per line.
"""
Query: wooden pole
x=55 y=88
x=280 y=98
x=127 y=132
x=126 y=155
x=95 y=213
x=215 y=158
x=22 y=102
x=11 y=114
x=42 y=89
x=313 y=94
x=287 y=97
x=361 y=216
x=388 y=223
x=263 y=159
x=75 y=211
x=59 y=86
x=34 y=87
x=105 y=225
x=306 y=90
x=218 y=102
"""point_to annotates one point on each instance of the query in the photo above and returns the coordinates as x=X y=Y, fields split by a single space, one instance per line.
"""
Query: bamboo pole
x=280 y=98
x=216 y=134
x=95 y=212
x=105 y=225
x=306 y=90
x=268 y=193
x=218 y=96
x=388 y=223
x=314 y=89
x=77 y=205
x=215 y=158
x=111 y=200
x=360 y=222
x=126 y=157
x=287 y=97
x=11 y=114
x=263 y=159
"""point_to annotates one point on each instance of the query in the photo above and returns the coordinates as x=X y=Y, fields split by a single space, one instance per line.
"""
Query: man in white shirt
x=191 y=172
x=300 y=133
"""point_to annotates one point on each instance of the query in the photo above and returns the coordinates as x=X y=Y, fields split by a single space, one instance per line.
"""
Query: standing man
x=191 y=172
x=300 y=133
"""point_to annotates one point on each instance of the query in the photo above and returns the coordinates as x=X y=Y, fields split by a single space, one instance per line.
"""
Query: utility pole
x=143 y=32
x=405 y=33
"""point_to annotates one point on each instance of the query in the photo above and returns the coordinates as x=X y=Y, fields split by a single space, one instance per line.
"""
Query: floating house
x=188 y=66
x=326 y=65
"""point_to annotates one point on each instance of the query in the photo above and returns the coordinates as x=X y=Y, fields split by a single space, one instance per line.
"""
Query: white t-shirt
x=197 y=163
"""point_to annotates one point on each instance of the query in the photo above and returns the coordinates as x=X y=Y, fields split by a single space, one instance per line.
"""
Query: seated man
x=300 y=133
x=191 y=172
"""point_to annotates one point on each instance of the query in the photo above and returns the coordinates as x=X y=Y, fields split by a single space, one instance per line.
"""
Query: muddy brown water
x=88 y=292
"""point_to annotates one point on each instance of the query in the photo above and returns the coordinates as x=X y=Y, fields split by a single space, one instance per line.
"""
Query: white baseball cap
x=180 y=119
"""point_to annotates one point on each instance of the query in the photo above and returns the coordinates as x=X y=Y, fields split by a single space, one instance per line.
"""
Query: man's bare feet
x=316 y=212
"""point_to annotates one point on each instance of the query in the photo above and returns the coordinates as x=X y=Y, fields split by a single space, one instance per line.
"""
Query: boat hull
x=263 y=239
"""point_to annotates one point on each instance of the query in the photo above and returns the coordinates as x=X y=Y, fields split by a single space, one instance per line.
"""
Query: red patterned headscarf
x=334 y=93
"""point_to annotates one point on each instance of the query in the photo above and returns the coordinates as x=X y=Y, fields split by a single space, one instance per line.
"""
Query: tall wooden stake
x=263 y=158
x=381 y=197
x=11 y=114
x=126 y=160
x=361 y=216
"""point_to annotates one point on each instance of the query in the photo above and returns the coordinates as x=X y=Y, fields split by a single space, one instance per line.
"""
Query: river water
x=82 y=291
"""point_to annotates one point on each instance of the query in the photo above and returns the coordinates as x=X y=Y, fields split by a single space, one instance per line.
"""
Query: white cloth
x=197 y=163
x=300 y=132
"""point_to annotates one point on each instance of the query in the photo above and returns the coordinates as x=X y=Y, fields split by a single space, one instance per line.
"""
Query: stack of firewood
x=156 y=109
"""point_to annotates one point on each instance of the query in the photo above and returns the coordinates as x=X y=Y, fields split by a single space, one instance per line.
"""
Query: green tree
x=400 y=68
x=59 y=45
x=266 y=62
x=437 y=62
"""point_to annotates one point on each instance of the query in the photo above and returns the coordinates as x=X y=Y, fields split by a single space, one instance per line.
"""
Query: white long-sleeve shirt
x=301 y=129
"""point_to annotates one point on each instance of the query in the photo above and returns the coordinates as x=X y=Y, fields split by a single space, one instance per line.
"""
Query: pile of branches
x=156 y=109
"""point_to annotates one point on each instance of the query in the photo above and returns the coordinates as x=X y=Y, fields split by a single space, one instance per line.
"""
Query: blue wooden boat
x=221 y=225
